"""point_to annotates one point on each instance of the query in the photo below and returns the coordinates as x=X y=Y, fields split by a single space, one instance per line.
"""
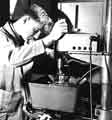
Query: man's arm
x=24 y=54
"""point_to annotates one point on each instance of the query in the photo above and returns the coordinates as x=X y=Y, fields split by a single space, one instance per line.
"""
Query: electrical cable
x=90 y=83
x=81 y=79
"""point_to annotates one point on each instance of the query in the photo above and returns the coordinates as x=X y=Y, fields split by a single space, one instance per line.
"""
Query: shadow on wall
x=20 y=8
x=4 y=11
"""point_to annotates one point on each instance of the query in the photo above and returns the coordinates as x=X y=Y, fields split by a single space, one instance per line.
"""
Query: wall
x=87 y=16
x=4 y=11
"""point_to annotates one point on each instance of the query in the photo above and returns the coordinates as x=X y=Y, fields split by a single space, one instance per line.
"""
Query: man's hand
x=59 y=28
x=50 y=52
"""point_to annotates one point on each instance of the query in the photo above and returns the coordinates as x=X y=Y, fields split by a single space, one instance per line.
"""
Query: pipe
x=106 y=98
x=107 y=70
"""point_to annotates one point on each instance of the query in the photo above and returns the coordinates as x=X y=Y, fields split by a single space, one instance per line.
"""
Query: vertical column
x=106 y=99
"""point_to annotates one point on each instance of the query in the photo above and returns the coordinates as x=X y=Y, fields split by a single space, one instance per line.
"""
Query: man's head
x=43 y=17
x=35 y=19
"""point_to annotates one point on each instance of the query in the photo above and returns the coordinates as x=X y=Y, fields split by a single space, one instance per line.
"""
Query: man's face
x=31 y=26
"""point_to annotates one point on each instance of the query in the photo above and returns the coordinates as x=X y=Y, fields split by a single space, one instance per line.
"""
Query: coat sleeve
x=24 y=54
x=18 y=55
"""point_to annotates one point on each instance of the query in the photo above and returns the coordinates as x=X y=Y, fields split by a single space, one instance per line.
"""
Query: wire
x=90 y=83
x=95 y=68
x=75 y=60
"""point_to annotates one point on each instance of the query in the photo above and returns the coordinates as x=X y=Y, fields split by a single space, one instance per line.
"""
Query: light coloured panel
x=90 y=15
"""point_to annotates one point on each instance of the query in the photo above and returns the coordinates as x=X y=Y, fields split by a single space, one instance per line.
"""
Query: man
x=18 y=47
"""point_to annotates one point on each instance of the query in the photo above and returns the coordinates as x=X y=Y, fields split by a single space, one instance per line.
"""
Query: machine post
x=105 y=111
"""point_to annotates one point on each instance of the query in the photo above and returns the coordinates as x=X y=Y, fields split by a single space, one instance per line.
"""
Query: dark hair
x=50 y=6
x=31 y=13
x=34 y=13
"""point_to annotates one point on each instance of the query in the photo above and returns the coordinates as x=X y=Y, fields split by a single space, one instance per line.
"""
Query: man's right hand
x=59 y=28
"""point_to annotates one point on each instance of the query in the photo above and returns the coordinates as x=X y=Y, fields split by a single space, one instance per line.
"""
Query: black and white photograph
x=55 y=60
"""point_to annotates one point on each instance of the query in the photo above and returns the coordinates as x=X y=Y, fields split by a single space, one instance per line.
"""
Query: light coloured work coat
x=11 y=60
